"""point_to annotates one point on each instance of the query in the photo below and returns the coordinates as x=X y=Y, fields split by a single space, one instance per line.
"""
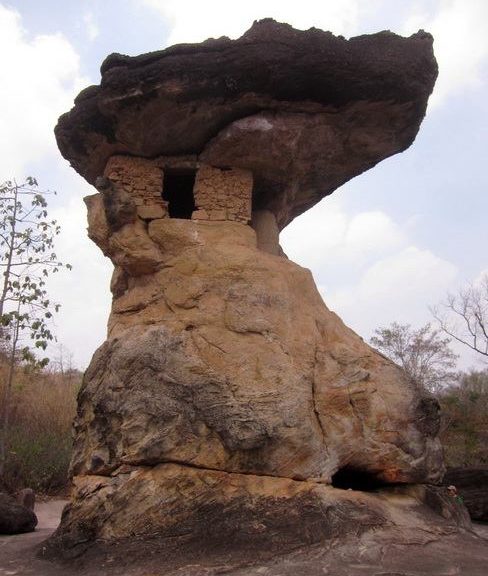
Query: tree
x=423 y=354
x=464 y=316
x=63 y=363
x=26 y=260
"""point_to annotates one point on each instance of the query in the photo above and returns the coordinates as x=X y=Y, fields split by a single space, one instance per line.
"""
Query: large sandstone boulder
x=228 y=402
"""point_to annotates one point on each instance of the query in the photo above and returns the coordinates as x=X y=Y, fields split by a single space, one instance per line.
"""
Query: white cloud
x=91 y=27
x=328 y=238
x=40 y=77
x=194 y=20
x=84 y=292
x=480 y=279
x=399 y=287
x=460 y=35
x=367 y=268
x=370 y=232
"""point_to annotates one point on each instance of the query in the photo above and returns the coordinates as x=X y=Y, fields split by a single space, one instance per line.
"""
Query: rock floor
x=464 y=553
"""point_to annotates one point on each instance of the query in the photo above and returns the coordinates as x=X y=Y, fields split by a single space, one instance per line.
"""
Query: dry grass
x=39 y=440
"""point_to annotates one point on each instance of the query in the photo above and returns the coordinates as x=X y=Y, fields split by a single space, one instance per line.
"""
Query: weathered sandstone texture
x=227 y=397
x=224 y=357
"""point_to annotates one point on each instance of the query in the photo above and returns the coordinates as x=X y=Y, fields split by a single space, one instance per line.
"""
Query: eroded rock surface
x=227 y=398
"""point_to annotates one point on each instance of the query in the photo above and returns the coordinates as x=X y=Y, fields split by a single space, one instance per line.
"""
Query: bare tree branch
x=423 y=354
x=464 y=316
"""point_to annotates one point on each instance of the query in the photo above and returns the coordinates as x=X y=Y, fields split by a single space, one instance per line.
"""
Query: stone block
x=200 y=215
x=218 y=215
x=151 y=211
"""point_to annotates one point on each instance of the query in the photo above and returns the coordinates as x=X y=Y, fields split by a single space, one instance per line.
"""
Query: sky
x=382 y=248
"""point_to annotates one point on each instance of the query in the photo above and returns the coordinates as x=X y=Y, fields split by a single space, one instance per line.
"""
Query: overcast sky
x=382 y=248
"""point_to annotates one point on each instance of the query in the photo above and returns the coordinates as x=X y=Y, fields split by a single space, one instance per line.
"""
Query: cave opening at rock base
x=350 y=478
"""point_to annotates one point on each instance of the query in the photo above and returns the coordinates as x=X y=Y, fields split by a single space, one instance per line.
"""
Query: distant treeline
x=464 y=428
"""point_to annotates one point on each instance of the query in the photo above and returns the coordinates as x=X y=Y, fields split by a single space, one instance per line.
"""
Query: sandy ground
x=18 y=558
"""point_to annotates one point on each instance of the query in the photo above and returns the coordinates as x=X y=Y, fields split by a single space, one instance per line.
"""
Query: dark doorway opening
x=355 y=479
x=178 y=192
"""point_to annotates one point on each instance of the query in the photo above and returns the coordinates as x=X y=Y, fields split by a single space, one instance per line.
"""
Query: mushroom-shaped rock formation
x=227 y=398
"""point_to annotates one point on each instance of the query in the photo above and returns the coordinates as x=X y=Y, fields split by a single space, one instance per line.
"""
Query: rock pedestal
x=228 y=403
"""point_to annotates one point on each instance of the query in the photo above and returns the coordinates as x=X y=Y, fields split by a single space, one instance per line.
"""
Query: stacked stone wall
x=220 y=194
x=223 y=194
x=143 y=180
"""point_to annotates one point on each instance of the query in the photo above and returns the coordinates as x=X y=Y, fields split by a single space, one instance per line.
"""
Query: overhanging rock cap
x=305 y=111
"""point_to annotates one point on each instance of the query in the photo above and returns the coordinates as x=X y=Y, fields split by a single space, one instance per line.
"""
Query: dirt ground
x=17 y=553
x=462 y=554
